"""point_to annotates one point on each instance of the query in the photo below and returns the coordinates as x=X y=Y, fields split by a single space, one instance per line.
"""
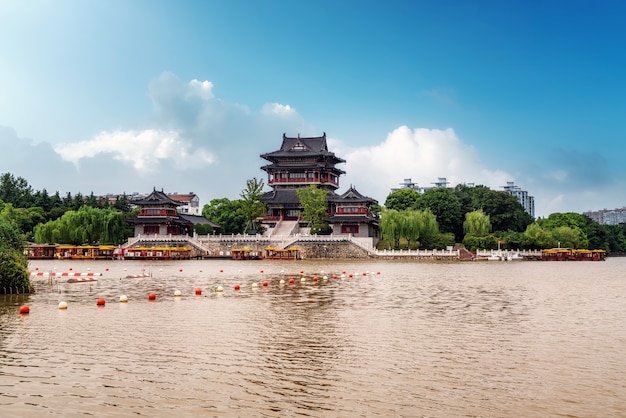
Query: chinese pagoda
x=158 y=215
x=301 y=162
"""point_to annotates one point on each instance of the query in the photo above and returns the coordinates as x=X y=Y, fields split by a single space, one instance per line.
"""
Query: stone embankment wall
x=334 y=250
x=307 y=249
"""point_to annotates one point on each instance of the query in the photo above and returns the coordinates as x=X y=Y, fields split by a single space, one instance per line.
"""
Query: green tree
x=477 y=223
x=391 y=226
x=505 y=212
x=13 y=262
x=314 y=203
x=85 y=226
x=402 y=199
x=229 y=214
x=16 y=191
x=537 y=238
x=251 y=201
x=445 y=205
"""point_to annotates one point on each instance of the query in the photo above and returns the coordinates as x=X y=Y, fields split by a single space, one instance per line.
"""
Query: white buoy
x=178 y=293
x=219 y=289
x=160 y=269
x=123 y=298
x=343 y=276
x=62 y=305
x=303 y=279
x=125 y=269
x=282 y=282
x=254 y=284
x=325 y=278
x=282 y=272
x=88 y=268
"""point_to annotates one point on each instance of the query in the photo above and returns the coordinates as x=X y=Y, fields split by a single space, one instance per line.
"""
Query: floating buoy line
x=283 y=281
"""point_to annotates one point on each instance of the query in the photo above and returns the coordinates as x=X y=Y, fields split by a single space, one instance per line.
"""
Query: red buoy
x=24 y=309
x=291 y=281
x=100 y=302
x=315 y=278
x=180 y=269
x=198 y=291
x=334 y=276
x=350 y=275
x=151 y=296
x=301 y=271
x=237 y=287
x=261 y=271
x=265 y=283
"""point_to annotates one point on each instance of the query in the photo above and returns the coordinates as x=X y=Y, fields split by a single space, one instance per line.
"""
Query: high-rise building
x=608 y=216
x=527 y=201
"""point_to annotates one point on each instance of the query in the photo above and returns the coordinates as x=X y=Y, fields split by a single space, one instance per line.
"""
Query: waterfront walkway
x=220 y=245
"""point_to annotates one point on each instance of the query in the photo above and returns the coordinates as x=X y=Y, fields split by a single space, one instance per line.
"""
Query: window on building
x=349 y=229
x=151 y=229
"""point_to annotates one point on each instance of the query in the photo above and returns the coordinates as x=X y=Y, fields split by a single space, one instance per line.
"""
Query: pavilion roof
x=303 y=146
x=156 y=198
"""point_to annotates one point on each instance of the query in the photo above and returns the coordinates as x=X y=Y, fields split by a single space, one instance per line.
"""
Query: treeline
x=76 y=219
x=482 y=218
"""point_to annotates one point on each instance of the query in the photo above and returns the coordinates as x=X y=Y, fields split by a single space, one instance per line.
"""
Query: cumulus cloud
x=202 y=89
x=423 y=155
x=278 y=110
x=143 y=150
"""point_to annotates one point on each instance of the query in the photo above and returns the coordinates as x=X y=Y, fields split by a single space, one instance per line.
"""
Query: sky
x=123 y=96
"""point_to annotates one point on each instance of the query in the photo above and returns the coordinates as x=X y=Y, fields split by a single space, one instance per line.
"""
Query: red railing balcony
x=351 y=211
x=302 y=181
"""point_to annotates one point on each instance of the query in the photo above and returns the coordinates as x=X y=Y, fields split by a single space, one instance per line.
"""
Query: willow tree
x=477 y=223
x=391 y=226
x=85 y=226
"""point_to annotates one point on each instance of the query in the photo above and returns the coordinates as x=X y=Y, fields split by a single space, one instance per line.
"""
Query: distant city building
x=608 y=216
x=190 y=202
x=527 y=201
x=409 y=184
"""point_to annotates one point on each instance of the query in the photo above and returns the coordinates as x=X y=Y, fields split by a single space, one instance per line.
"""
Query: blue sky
x=123 y=96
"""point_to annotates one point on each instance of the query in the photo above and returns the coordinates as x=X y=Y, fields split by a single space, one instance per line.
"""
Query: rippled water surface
x=482 y=339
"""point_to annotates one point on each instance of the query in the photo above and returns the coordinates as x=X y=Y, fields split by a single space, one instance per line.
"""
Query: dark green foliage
x=473 y=242
x=314 y=203
x=445 y=205
x=13 y=262
x=505 y=212
x=402 y=199
x=321 y=229
x=229 y=214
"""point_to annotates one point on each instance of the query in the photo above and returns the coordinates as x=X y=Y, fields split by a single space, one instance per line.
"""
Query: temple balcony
x=350 y=211
x=277 y=182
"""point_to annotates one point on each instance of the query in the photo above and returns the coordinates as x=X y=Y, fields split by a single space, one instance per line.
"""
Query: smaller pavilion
x=158 y=216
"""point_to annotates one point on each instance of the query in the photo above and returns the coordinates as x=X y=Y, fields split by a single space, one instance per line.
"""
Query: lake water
x=473 y=339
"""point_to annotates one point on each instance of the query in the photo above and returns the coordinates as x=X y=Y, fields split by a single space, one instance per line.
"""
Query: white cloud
x=203 y=89
x=278 y=110
x=423 y=155
x=144 y=150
